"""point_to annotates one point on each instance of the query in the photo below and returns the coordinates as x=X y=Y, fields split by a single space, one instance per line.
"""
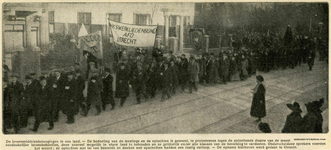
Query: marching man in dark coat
x=80 y=81
x=57 y=84
x=107 y=94
x=122 y=83
x=15 y=96
x=193 y=70
x=224 y=64
x=26 y=103
x=258 y=104
x=34 y=88
x=183 y=73
x=293 y=120
x=94 y=89
x=69 y=95
x=44 y=105
x=175 y=73
x=139 y=82
x=151 y=83
x=167 y=80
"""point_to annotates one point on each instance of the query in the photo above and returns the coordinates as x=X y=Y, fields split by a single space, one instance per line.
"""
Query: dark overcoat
x=69 y=96
x=122 y=83
x=258 y=104
x=175 y=73
x=45 y=104
x=183 y=73
x=293 y=122
x=167 y=77
x=107 y=92
x=94 y=91
x=309 y=123
x=15 y=97
x=58 y=87
x=224 y=67
x=193 y=70
x=80 y=88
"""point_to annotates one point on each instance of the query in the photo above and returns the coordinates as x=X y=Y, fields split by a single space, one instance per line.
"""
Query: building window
x=142 y=19
x=172 y=21
x=85 y=18
x=187 y=21
x=51 y=21
x=115 y=17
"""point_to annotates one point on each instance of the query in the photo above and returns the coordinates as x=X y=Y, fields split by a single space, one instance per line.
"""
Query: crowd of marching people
x=147 y=75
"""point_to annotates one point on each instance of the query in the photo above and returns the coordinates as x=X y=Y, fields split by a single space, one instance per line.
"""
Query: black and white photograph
x=165 y=68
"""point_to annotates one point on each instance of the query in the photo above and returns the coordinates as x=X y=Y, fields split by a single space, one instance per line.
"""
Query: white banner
x=133 y=35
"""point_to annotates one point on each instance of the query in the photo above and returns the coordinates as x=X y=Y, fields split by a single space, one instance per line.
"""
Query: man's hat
x=77 y=63
x=260 y=78
x=32 y=73
x=183 y=55
x=91 y=63
x=14 y=75
x=78 y=71
x=318 y=104
x=122 y=64
x=170 y=52
x=27 y=77
x=94 y=70
x=107 y=69
x=42 y=78
x=294 y=106
x=70 y=73
x=44 y=72
x=57 y=70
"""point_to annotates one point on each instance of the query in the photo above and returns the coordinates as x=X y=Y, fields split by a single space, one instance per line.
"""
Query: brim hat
x=70 y=73
x=122 y=64
x=42 y=78
x=78 y=71
x=44 y=72
x=318 y=104
x=107 y=69
x=14 y=75
x=294 y=106
x=260 y=78
x=27 y=77
x=32 y=73
x=94 y=70
x=57 y=70
x=91 y=63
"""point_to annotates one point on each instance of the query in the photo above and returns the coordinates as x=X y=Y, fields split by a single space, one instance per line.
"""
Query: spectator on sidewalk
x=293 y=120
x=258 y=104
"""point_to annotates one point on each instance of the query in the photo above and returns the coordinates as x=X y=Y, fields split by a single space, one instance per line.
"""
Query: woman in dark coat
x=45 y=105
x=293 y=120
x=122 y=84
x=258 y=104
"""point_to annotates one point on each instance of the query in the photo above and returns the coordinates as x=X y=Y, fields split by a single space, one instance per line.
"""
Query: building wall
x=67 y=13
